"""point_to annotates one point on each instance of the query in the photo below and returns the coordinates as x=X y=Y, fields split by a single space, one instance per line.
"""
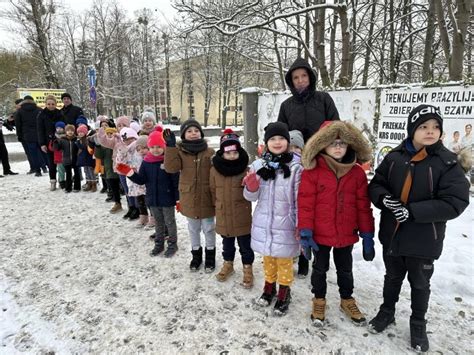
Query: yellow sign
x=40 y=94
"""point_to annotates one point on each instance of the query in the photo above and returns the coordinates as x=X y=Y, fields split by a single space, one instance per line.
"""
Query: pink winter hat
x=135 y=125
x=82 y=128
x=156 y=138
x=128 y=132
x=123 y=120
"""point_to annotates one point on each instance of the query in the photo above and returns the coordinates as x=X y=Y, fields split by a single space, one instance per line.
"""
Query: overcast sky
x=163 y=7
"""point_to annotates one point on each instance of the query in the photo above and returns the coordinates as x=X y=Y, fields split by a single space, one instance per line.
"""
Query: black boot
x=104 y=186
x=159 y=247
x=110 y=196
x=210 y=262
x=303 y=266
x=283 y=301
x=128 y=214
x=62 y=184
x=269 y=292
x=172 y=248
x=381 y=321
x=135 y=214
x=197 y=259
x=419 y=339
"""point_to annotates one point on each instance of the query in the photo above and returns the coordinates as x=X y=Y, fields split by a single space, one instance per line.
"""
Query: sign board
x=39 y=95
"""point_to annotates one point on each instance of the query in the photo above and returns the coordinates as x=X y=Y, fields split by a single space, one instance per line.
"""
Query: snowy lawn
x=76 y=279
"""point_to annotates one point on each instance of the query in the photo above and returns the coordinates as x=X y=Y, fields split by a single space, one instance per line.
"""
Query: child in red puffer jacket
x=334 y=210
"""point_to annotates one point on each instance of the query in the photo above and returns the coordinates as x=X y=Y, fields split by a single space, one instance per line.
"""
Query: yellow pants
x=278 y=269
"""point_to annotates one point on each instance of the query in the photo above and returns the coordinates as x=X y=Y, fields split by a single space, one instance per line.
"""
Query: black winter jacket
x=45 y=123
x=439 y=192
x=71 y=113
x=69 y=149
x=306 y=112
x=25 y=122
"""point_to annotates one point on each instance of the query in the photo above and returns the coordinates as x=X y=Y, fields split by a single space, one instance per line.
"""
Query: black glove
x=169 y=138
x=391 y=202
x=401 y=214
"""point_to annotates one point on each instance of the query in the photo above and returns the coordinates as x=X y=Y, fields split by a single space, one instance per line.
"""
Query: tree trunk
x=280 y=64
x=353 y=40
x=459 y=36
x=365 y=73
x=332 y=47
x=319 y=46
x=391 y=19
x=345 y=57
x=428 y=52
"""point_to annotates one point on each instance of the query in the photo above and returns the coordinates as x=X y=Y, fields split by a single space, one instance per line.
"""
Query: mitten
x=401 y=214
x=368 y=251
x=251 y=182
x=178 y=207
x=169 y=138
x=391 y=202
x=307 y=243
x=124 y=169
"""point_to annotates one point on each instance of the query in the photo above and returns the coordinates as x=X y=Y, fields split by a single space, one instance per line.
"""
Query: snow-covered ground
x=76 y=279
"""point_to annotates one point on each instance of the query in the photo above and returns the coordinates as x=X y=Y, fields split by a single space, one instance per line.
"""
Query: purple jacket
x=274 y=218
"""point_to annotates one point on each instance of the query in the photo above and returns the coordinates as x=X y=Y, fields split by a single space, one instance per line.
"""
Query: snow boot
x=303 y=266
x=135 y=214
x=117 y=207
x=210 y=261
x=419 y=339
x=319 y=311
x=128 y=214
x=349 y=307
x=52 y=185
x=247 y=281
x=197 y=259
x=151 y=223
x=283 y=301
x=172 y=248
x=226 y=270
x=110 y=196
x=381 y=321
x=62 y=184
x=87 y=186
x=93 y=186
x=269 y=292
x=142 y=221
x=104 y=189
x=159 y=247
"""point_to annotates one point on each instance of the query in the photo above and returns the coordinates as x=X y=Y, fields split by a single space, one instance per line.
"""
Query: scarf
x=272 y=162
x=150 y=158
x=231 y=167
x=194 y=147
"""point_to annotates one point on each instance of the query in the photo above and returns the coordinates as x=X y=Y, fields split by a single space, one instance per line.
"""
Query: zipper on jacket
x=435 y=233
x=390 y=170
x=430 y=180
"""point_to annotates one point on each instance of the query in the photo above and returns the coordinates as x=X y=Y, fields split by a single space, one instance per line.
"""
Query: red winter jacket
x=334 y=210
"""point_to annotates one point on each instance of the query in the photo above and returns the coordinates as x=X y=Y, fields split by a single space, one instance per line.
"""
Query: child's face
x=104 y=124
x=232 y=155
x=142 y=150
x=120 y=126
x=192 y=134
x=427 y=133
x=70 y=133
x=81 y=134
x=156 y=150
x=277 y=144
x=59 y=130
x=336 y=149
x=147 y=123
x=295 y=149
x=129 y=141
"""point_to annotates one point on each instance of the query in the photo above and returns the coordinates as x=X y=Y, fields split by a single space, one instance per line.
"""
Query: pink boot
x=142 y=221
x=151 y=223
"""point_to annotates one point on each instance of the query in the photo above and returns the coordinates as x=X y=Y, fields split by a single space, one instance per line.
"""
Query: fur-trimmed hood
x=345 y=131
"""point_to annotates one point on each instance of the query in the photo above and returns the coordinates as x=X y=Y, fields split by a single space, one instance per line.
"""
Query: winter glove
x=169 y=138
x=368 y=251
x=391 y=202
x=251 y=182
x=307 y=243
x=124 y=169
x=401 y=214
x=178 y=207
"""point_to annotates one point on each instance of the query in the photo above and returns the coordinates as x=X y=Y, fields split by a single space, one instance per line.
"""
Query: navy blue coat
x=83 y=156
x=161 y=187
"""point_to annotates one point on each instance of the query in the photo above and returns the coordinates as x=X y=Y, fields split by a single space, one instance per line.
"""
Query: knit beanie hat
x=423 y=113
x=142 y=141
x=81 y=120
x=70 y=127
x=156 y=138
x=276 y=129
x=296 y=138
x=82 y=128
x=148 y=115
x=124 y=121
x=65 y=94
x=190 y=123
x=229 y=141
x=127 y=132
x=135 y=126
x=59 y=124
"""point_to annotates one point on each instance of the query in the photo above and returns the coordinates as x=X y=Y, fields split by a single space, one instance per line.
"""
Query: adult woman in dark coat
x=46 y=130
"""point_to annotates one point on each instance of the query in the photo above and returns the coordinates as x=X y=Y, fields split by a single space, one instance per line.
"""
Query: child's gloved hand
x=178 y=207
x=368 y=251
x=169 y=138
x=124 y=169
x=391 y=202
x=401 y=214
x=251 y=182
x=307 y=243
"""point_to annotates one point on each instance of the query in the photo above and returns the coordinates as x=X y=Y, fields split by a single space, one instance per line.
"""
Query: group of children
x=307 y=203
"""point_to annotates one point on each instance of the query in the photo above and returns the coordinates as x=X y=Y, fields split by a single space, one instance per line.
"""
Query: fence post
x=250 y=111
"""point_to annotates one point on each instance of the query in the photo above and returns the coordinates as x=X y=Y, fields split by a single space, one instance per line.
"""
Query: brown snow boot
x=247 y=281
x=117 y=207
x=93 y=186
x=349 y=307
x=87 y=186
x=319 y=311
x=226 y=271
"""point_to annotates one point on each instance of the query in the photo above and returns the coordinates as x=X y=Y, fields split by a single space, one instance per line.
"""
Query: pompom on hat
x=127 y=132
x=156 y=138
x=135 y=126
x=229 y=141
